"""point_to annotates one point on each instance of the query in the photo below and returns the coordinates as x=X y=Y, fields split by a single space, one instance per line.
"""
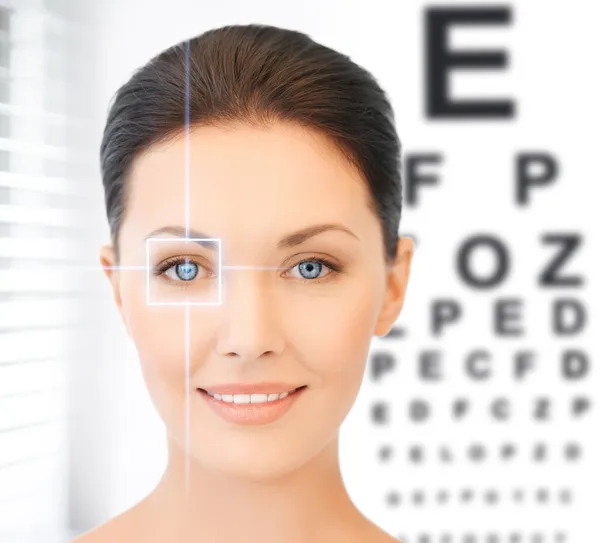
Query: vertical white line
x=187 y=399
x=187 y=139
x=187 y=235
x=220 y=274
x=147 y=272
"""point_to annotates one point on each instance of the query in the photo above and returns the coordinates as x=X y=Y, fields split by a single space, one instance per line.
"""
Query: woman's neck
x=309 y=504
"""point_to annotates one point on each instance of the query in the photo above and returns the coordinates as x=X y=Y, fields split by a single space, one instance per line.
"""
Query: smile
x=251 y=408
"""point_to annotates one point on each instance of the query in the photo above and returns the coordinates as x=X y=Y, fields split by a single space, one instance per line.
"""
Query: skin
x=250 y=186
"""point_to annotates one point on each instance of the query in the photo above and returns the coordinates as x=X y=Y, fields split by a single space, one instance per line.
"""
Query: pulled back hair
x=256 y=74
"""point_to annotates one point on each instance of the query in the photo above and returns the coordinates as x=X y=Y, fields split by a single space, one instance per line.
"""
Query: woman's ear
x=397 y=281
x=108 y=261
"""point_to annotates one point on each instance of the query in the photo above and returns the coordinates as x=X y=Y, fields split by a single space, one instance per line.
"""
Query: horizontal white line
x=139 y=268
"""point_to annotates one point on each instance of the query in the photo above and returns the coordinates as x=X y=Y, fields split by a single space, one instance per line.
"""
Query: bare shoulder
x=372 y=533
x=381 y=537
x=119 y=529
x=386 y=538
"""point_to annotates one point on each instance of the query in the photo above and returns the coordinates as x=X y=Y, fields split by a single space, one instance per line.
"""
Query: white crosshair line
x=187 y=235
x=153 y=267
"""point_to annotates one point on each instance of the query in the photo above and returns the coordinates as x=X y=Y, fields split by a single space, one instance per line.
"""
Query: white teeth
x=248 y=398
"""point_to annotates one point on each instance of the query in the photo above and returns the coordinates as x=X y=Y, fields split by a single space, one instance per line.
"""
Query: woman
x=253 y=343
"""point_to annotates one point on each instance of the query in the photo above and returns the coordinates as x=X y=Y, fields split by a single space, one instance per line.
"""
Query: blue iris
x=186 y=270
x=311 y=267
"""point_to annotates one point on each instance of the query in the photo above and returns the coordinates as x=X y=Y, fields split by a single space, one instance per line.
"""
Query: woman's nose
x=249 y=324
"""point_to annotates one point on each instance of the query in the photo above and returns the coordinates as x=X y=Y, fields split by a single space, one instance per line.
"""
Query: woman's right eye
x=183 y=271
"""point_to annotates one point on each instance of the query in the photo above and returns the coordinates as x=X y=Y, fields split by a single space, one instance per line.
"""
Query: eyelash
x=169 y=263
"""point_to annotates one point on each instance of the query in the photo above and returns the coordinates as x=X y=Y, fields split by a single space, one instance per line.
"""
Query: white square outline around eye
x=148 y=302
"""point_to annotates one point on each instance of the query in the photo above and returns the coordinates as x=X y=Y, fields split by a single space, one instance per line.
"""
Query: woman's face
x=278 y=320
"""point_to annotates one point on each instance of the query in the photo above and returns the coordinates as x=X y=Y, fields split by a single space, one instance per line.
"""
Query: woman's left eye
x=311 y=269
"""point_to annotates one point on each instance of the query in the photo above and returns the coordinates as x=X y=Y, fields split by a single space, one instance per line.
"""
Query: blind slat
x=20 y=411
x=29 y=445
x=40 y=375
x=51 y=217
x=36 y=312
x=23 y=248
x=33 y=344
x=56 y=185
x=45 y=282
x=28 y=148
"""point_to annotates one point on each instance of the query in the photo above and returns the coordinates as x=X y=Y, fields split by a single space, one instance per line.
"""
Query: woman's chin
x=254 y=467
x=250 y=461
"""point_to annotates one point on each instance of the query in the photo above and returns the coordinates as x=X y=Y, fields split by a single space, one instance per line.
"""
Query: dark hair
x=256 y=74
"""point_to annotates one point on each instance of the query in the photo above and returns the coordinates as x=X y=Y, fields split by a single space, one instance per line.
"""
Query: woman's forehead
x=277 y=156
x=280 y=174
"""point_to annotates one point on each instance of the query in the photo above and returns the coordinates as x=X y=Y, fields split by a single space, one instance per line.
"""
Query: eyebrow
x=290 y=240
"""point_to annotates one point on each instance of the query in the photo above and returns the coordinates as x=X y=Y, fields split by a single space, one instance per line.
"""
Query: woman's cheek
x=159 y=336
x=334 y=344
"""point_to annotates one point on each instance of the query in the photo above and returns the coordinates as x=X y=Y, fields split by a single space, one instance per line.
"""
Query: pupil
x=311 y=269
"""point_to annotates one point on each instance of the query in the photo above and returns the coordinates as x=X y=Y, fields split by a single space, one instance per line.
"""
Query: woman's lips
x=252 y=413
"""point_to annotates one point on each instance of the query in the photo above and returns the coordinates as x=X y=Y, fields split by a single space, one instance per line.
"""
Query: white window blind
x=40 y=225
